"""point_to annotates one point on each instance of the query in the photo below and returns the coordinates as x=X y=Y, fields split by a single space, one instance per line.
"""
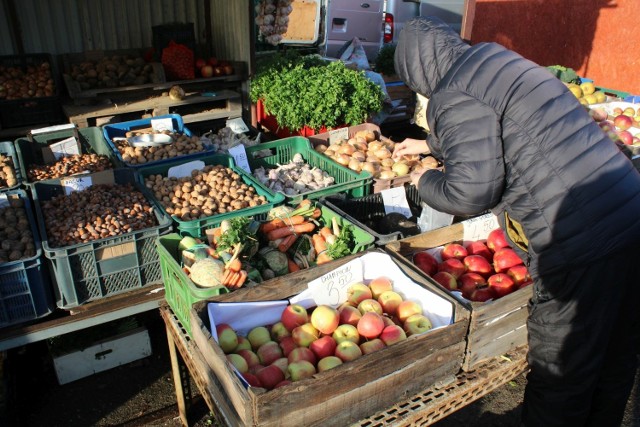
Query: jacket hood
x=426 y=50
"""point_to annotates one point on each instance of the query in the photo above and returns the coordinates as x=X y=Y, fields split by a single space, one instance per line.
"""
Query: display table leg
x=178 y=369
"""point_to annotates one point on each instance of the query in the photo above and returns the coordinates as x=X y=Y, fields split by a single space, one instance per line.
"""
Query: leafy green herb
x=239 y=233
x=343 y=245
x=384 y=61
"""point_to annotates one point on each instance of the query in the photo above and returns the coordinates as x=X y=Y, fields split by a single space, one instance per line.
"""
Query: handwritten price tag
x=395 y=200
x=331 y=289
x=65 y=148
x=75 y=184
x=479 y=228
x=184 y=170
x=239 y=154
x=4 y=201
x=237 y=125
x=338 y=135
x=161 y=125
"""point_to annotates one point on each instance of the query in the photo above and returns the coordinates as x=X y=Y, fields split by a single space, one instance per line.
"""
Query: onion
x=361 y=140
x=362 y=146
x=388 y=162
x=355 y=165
x=372 y=159
x=429 y=162
x=343 y=159
x=375 y=145
x=321 y=148
x=351 y=141
x=400 y=168
x=370 y=167
x=359 y=155
x=347 y=149
x=382 y=153
x=387 y=174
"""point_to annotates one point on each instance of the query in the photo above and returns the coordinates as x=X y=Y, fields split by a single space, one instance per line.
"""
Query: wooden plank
x=480 y=353
x=486 y=313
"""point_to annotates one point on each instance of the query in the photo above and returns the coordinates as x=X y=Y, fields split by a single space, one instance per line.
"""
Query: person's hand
x=416 y=174
x=410 y=146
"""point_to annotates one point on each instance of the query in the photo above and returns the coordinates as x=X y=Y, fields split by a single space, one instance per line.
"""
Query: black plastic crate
x=36 y=110
x=368 y=212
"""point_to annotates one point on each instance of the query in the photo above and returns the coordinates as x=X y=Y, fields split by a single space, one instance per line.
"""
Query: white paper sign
x=338 y=135
x=239 y=154
x=184 y=170
x=66 y=147
x=161 y=125
x=53 y=128
x=4 y=201
x=237 y=125
x=479 y=228
x=75 y=184
x=331 y=289
x=395 y=200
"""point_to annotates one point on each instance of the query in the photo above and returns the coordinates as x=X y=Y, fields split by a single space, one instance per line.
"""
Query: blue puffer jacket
x=513 y=139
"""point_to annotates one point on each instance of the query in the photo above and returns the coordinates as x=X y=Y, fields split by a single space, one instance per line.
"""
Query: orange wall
x=600 y=39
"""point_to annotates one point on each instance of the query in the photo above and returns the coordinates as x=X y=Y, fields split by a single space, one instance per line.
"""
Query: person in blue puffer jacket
x=514 y=140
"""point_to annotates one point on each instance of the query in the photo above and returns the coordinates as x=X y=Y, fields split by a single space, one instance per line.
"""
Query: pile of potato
x=15 y=232
x=181 y=146
x=7 y=172
x=32 y=82
x=364 y=152
x=211 y=191
x=69 y=165
x=98 y=212
x=113 y=71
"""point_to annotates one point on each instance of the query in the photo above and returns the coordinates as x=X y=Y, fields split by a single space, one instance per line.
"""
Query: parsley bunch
x=343 y=245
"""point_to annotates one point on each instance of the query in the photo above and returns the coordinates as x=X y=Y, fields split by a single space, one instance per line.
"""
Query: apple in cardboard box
x=497 y=240
x=417 y=324
x=469 y=282
x=258 y=336
x=358 y=292
x=389 y=301
x=478 y=264
x=392 y=334
x=325 y=319
x=379 y=285
x=227 y=338
x=370 y=325
x=348 y=351
x=270 y=376
x=501 y=284
x=323 y=346
x=302 y=353
x=346 y=332
x=370 y=305
x=426 y=262
x=446 y=280
x=481 y=294
x=454 y=266
x=328 y=362
x=478 y=247
x=371 y=346
x=504 y=259
x=408 y=308
x=349 y=315
x=294 y=315
x=519 y=274
x=305 y=334
x=453 y=250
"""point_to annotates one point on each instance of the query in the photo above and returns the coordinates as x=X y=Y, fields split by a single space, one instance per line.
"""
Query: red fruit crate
x=270 y=123
x=497 y=326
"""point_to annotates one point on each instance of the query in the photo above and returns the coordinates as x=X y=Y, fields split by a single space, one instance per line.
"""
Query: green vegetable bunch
x=565 y=74
x=307 y=91
x=384 y=61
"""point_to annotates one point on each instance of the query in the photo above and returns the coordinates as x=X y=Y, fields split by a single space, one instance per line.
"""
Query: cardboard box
x=356 y=389
x=496 y=327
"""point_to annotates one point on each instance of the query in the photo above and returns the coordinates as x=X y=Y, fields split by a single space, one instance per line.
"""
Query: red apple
x=268 y=352
x=453 y=266
x=243 y=343
x=606 y=126
x=302 y=353
x=481 y=294
x=501 y=284
x=478 y=264
x=325 y=319
x=227 y=338
x=406 y=309
x=238 y=362
x=358 y=292
x=417 y=324
x=293 y=316
x=348 y=351
x=254 y=369
x=346 y=332
x=496 y=240
x=250 y=357
x=371 y=346
x=206 y=71
x=388 y=321
x=287 y=344
x=389 y=301
x=379 y=285
x=279 y=331
x=469 y=282
x=371 y=325
x=426 y=262
x=504 y=259
x=392 y=334
x=328 y=362
x=323 y=346
x=349 y=315
x=305 y=334
x=446 y=280
x=453 y=250
x=622 y=122
x=370 y=305
x=282 y=363
x=519 y=274
x=625 y=136
x=258 y=336
x=251 y=379
x=478 y=247
x=269 y=376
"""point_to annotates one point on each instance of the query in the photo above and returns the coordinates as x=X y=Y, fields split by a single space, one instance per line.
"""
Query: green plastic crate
x=613 y=92
x=181 y=293
x=84 y=272
x=196 y=228
x=8 y=149
x=282 y=151
x=29 y=149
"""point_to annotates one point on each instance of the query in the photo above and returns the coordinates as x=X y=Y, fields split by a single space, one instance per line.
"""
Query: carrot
x=287 y=242
x=226 y=276
x=292 y=265
x=323 y=258
x=278 y=233
x=282 y=222
x=325 y=232
x=234 y=265
x=304 y=203
x=242 y=278
x=319 y=244
x=317 y=213
x=233 y=279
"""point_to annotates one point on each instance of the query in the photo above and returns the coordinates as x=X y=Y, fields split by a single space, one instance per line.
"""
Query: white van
x=397 y=12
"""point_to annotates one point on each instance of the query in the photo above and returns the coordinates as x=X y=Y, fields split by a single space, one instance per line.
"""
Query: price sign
x=331 y=289
x=239 y=154
x=184 y=170
x=161 y=125
x=479 y=228
x=75 y=184
x=66 y=147
x=338 y=135
x=395 y=200
x=50 y=129
x=4 y=201
x=237 y=125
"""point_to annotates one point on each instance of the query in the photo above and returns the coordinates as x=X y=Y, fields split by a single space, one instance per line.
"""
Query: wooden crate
x=348 y=392
x=496 y=327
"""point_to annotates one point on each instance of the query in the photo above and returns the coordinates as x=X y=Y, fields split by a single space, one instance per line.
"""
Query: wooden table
x=425 y=408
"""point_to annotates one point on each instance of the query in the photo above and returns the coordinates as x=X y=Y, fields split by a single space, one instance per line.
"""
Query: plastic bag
x=354 y=52
x=430 y=219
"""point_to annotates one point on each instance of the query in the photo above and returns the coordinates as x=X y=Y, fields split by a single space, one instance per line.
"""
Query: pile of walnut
x=7 y=172
x=211 y=191
x=98 y=212
x=15 y=232
x=181 y=145
x=69 y=165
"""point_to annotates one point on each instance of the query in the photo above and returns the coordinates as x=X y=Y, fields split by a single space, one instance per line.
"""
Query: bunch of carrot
x=234 y=276
x=322 y=239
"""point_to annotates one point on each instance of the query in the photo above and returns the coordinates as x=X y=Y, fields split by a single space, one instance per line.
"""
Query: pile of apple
x=619 y=129
x=213 y=67
x=482 y=270
x=305 y=342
